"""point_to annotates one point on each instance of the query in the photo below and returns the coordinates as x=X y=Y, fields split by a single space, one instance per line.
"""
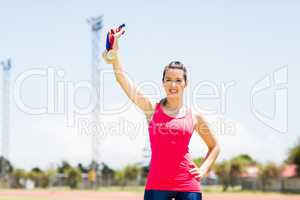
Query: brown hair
x=175 y=65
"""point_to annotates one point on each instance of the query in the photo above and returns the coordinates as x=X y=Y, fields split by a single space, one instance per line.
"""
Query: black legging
x=169 y=195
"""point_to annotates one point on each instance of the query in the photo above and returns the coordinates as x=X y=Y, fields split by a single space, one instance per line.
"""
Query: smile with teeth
x=173 y=91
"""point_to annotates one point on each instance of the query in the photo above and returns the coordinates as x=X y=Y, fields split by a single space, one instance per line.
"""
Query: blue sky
x=238 y=42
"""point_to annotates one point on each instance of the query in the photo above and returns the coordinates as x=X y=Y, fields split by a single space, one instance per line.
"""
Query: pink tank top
x=170 y=157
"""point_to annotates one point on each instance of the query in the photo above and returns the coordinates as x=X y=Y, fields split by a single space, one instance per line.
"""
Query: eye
x=168 y=80
x=178 y=80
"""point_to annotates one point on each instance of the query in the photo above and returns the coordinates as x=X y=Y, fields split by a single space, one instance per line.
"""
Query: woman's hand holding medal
x=110 y=54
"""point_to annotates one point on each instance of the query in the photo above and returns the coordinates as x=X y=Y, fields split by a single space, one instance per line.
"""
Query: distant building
x=251 y=171
x=289 y=171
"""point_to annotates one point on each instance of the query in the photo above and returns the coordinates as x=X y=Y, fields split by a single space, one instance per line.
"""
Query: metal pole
x=5 y=115
x=96 y=26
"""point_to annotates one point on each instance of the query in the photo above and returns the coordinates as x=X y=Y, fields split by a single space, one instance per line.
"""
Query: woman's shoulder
x=151 y=112
x=196 y=115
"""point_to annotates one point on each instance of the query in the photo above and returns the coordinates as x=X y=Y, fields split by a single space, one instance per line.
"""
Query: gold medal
x=111 y=55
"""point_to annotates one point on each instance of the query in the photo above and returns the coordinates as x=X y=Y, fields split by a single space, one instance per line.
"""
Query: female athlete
x=172 y=174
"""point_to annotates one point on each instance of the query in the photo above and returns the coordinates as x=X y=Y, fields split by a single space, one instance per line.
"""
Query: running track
x=90 y=195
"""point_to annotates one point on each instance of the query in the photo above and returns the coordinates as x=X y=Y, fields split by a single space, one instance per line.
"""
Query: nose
x=173 y=83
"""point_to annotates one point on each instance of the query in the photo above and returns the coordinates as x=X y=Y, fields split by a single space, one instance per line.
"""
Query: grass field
x=131 y=193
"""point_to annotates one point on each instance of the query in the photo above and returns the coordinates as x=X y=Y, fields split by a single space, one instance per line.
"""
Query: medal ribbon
x=110 y=37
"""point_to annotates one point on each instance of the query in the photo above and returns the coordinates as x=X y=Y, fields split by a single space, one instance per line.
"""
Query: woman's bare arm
x=206 y=134
x=130 y=89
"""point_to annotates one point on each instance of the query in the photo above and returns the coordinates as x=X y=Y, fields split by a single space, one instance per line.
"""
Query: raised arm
x=129 y=88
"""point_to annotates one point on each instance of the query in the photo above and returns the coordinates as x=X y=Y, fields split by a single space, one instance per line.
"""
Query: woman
x=172 y=173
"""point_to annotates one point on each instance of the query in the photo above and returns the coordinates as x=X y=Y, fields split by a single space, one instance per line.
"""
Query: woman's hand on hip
x=196 y=172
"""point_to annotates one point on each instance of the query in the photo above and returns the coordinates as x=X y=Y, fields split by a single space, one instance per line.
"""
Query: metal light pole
x=96 y=26
x=6 y=65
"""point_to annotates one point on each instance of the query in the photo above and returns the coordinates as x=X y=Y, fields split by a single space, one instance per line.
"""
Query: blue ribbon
x=108 y=42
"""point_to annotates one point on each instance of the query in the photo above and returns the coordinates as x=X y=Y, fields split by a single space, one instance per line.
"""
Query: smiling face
x=174 y=82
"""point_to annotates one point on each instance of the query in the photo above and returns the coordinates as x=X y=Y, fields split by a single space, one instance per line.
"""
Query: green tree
x=107 y=174
x=229 y=172
x=73 y=177
x=19 y=176
x=51 y=174
x=39 y=177
x=5 y=166
x=62 y=171
x=267 y=172
x=131 y=172
x=294 y=156
x=222 y=169
x=238 y=165
x=120 y=177
x=94 y=165
x=64 y=167
x=198 y=161
x=82 y=168
x=145 y=171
